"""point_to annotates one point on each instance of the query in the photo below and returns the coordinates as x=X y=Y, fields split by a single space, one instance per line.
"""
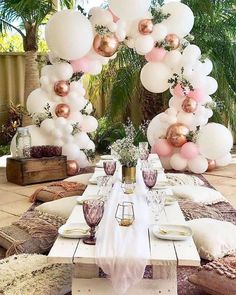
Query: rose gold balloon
x=62 y=88
x=173 y=41
x=72 y=167
x=62 y=110
x=106 y=45
x=145 y=27
x=211 y=165
x=177 y=134
x=189 y=105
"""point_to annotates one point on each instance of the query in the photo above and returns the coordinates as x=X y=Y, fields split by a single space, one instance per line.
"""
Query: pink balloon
x=157 y=54
x=115 y=18
x=189 y=150
x=162 y=148
x=80 y=65
x=179 y=91
x=197 y=94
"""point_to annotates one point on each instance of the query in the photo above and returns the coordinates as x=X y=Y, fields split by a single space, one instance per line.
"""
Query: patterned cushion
x=217 y=277
x=31 y=274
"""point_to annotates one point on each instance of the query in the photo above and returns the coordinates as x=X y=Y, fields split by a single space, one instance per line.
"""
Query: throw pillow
x=35 y=232
x=58 y=190
x=61 y=208
x=199 y=194
x=217 y=277
x=193 y=210
x=31 y=274
x=213 y=238
x=182 y=179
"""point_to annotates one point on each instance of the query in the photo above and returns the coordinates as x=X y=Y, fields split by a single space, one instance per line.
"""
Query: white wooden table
x=166 y=256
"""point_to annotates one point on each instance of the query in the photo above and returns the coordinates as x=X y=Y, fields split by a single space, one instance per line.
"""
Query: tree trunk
x=31 y=72
x=152 y=104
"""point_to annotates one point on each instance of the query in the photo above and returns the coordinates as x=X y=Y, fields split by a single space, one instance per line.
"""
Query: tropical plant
x=214 y=31
x=25 y=17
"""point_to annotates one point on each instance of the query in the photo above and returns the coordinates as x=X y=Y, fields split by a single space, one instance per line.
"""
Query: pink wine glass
x=109 y=167
x=149 y=177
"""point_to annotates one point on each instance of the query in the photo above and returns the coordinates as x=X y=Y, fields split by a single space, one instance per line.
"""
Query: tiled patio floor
x=14 y=199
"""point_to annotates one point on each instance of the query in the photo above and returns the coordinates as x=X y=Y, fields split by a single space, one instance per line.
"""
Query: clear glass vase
x=23 y=143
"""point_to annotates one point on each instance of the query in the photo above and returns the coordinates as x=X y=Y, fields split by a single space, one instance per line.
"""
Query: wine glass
x=149 y=177
x=156 y=202
x=93 y=212
x=109 y=167
x=143 y=151
x=105 y=185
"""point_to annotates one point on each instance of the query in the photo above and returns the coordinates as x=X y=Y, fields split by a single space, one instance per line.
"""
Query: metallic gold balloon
x=145 y=27
x=62 y=110
x=189 y=105
x=106 y=45
x=62 y=88
x=72 y=167
x=211 y=165
x=177 y=134
x=173 y=41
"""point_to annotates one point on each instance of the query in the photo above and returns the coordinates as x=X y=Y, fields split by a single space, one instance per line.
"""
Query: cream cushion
x=61 y=208
x=182 y=179
x=28 y=274
x=213 y=238
x=82 y=178
x=199 y=194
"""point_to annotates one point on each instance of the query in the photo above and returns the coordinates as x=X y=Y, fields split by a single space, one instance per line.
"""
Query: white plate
x=99 y=164
x=172 y=232
x=107 y=157
x=81 y=199
x=76 y=230
x=93 y=181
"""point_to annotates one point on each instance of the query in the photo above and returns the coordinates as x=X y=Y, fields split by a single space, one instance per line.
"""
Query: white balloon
x=185 y=118
x=89 y=124
x=224 y=161
x=69 y=34
x=165 y=161
x=82 y=160
x=154 y=77
x=77 y=86
x=91 y=145
x=76 y=117
x=144 y=44
x=95 y=67
x=121 y=34
x=89 y=108
x=176 y=103
x=156 y=129
x=159 y=32
x=68 y=128
x=191 y=53
x=198 y=165
x=77 y=102
x=37 y=101
x=63 y=71
x=47 y=125
x=82 y=139
x=178 y=163
x=198 y=80
x=68 y=138
x=58 y=142
x=211 y=85
x=181 y=18
x=100 y=16
x=205 y=67
x=60 y=122
x=112 y=27
x=172 y=58
x=129 y=9
x=58 y=134
x=38 y=137
x=214 y=141
x=45 y=84
x=71 y=150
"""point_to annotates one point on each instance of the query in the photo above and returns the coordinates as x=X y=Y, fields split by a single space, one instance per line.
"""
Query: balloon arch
x=181 y=135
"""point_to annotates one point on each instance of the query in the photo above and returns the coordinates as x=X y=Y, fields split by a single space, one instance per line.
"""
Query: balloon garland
x=180 y=136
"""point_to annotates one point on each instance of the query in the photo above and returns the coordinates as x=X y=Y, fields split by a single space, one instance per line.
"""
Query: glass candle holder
x=125 y=214
x=23 y=143
x=128 y=186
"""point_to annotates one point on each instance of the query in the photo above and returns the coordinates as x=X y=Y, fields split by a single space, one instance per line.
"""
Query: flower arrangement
x=125 y=149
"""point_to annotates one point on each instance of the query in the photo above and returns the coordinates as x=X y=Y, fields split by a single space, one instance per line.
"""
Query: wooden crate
x=30 y=171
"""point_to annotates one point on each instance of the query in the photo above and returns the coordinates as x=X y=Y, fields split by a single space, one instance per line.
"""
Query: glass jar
x=23 y=143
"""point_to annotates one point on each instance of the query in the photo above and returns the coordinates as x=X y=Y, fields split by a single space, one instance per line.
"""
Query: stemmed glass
x=156 y=202
x=109 y=167
x=93 y=212
x=105 y=185
x=149 y=177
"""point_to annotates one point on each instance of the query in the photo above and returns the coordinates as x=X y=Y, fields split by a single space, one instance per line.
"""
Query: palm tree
x=25 y=17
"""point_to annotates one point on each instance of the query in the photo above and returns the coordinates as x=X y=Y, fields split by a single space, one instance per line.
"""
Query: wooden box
x=30 y=171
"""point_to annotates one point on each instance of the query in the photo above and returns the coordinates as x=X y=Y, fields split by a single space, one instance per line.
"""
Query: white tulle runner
x=123 y=252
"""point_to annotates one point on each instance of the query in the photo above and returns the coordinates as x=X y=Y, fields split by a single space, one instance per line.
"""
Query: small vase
x=129 y=173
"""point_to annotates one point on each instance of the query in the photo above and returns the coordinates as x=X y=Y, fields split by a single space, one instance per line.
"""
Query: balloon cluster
x=180 y=135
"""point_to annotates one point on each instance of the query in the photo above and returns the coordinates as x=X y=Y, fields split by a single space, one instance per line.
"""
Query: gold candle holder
x=125 y=214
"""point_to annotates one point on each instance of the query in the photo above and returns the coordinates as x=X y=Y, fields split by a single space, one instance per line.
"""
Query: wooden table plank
x=186 y=251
